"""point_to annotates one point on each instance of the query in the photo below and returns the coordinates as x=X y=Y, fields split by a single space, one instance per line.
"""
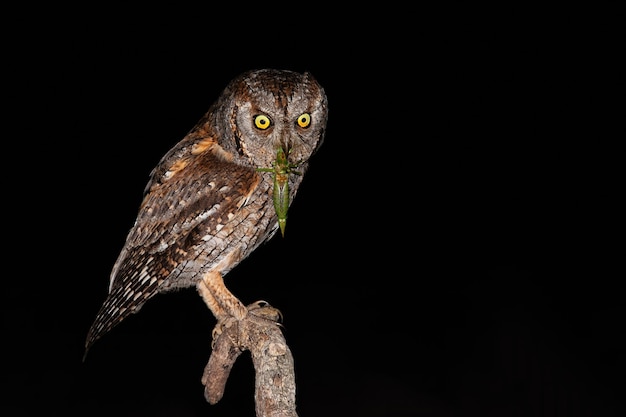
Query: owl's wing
x=191 y=193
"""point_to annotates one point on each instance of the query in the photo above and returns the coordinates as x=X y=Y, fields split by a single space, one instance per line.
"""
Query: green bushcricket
x=281 y=169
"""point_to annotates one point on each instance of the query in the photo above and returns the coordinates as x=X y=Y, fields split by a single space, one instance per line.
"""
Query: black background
x=454 y=249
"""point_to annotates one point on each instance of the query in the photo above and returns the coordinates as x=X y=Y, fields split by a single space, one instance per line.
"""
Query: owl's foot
x=261 y=309
x=264 y=310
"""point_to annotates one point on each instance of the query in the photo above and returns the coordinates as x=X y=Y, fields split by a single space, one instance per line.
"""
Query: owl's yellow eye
x=304 y=120
x=262 y=121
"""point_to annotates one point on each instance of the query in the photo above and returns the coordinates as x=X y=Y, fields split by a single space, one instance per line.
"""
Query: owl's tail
x=119 y=304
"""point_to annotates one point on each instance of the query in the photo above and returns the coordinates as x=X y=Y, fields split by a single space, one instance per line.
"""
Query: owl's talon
x=257 y=304
x=264 y=310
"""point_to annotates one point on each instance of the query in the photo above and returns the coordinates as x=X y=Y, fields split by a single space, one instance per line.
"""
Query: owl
x=218 y=194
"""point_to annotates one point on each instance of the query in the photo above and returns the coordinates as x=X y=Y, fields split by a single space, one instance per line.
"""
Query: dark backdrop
x=454 y=249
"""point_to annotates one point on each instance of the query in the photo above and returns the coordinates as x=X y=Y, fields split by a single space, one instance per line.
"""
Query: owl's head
x=268 y=110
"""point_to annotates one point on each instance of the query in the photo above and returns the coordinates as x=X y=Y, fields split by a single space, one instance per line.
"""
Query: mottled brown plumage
x=207 y=205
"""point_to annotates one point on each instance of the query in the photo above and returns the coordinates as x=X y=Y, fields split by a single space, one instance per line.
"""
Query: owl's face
x=276 y=110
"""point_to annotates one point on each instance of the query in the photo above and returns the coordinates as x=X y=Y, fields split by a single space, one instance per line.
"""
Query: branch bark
x=259 y=333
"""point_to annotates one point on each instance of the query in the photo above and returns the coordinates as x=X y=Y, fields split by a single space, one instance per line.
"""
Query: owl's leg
x=222 y=303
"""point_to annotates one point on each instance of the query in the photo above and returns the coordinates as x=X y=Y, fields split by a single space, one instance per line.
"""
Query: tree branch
x=259 y=332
